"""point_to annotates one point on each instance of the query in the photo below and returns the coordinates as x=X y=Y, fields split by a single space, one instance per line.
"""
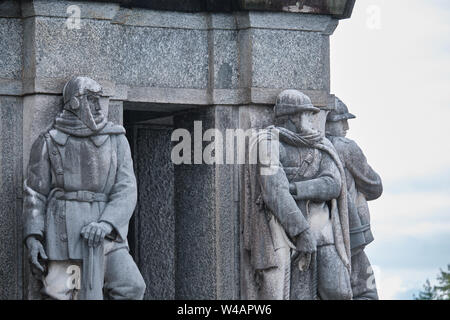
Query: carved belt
x=360 y=229
x=82 y=196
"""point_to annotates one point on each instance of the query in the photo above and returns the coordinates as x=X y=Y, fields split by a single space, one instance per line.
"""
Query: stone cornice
x=339 y=9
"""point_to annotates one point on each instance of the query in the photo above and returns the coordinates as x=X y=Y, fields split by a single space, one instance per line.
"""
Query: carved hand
x=306 y=247
x=292 y=189
x=95 y=232
x=35 y=249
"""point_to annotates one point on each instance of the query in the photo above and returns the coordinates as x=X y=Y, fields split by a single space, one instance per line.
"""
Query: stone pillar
x=206 y=206
x=11 y=112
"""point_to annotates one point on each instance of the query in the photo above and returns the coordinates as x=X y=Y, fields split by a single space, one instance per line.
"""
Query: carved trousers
x=333 y=278
x=122 y=280
x=275 y=283
x=363 y=279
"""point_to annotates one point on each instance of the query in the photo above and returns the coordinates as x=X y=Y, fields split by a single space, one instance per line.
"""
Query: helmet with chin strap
x=340 y=112
x=290 y=102
x=75 y=99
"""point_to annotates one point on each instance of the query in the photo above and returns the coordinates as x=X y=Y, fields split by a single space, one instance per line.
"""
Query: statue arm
x=36 y=189
x=276 y=196
x=326 y=186
x=123 y=195
x=367 y=181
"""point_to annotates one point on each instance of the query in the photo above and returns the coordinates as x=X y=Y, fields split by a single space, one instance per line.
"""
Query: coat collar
x=61 y=138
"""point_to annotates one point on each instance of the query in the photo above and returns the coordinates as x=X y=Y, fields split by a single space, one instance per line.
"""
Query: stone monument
x=363 y=184
x=297 y=234
x=162 y=66
x=80 y=193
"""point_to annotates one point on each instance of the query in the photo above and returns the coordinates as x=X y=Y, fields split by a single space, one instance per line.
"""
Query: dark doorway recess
x=152 y=228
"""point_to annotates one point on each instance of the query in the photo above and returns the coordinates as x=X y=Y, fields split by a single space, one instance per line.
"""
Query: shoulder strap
x=55 y=160
x=113 y=165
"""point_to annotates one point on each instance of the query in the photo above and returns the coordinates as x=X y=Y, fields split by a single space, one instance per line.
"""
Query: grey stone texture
x=338 y=8
x=219 y=58
x=207 y=236
x=226 y=63
x=225 y=55
x=155 y=57
x=11 y=65
x=293 y=59
x=11 y=48
x=115 y=112
x=10 y=193
x=153 y=228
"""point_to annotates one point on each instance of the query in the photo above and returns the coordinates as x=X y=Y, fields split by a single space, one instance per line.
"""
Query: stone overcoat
x=363 y=185
x=318 y=183
x=92 y=166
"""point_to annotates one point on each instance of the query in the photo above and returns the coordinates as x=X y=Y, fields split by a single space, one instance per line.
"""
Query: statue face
x=89 y=109
x=303 y=122
x=82 y=98
x=93 y=101
x=337 y=128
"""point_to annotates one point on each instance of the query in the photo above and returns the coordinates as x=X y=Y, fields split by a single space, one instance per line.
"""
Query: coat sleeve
x=367 y=181
x=36 y=189
x=326 y=186
x=123 y=195
x=275 y=190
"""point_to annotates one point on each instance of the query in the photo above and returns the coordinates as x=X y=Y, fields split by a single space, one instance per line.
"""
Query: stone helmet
x=340 y=112
x=75 y=100
x=290 y=102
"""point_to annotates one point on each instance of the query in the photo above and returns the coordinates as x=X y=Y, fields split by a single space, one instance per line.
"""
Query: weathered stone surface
x=154 y=220
x=160 y=19
x=195 y=231
x=206 y=220
x=11 y=48
x=63 y=53
x=115 y=112
x=225 y=54
x=285 y=21
x=39 y=112
x=289 y=59
x=133 y=56
x=160 y=57
x=340 y=8
x=227 y=212
x=195 y=51
x=255 y=116
x=51 y=8
x=10 y=193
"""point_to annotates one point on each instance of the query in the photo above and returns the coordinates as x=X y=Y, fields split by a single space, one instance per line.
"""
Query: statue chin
x=308 y=132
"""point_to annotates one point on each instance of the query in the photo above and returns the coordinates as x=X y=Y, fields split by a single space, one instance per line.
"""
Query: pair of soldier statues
x=305 y=235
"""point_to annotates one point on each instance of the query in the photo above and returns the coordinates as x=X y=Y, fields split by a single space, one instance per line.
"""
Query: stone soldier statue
x=363 y=185
x=80 y=194
x=296 y=229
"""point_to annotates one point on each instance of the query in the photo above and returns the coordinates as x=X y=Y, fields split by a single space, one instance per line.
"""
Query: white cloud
x=397 y=82
x=393 y=284
x=410 y=214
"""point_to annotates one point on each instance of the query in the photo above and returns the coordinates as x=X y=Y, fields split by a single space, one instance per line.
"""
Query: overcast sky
x=394 y=75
